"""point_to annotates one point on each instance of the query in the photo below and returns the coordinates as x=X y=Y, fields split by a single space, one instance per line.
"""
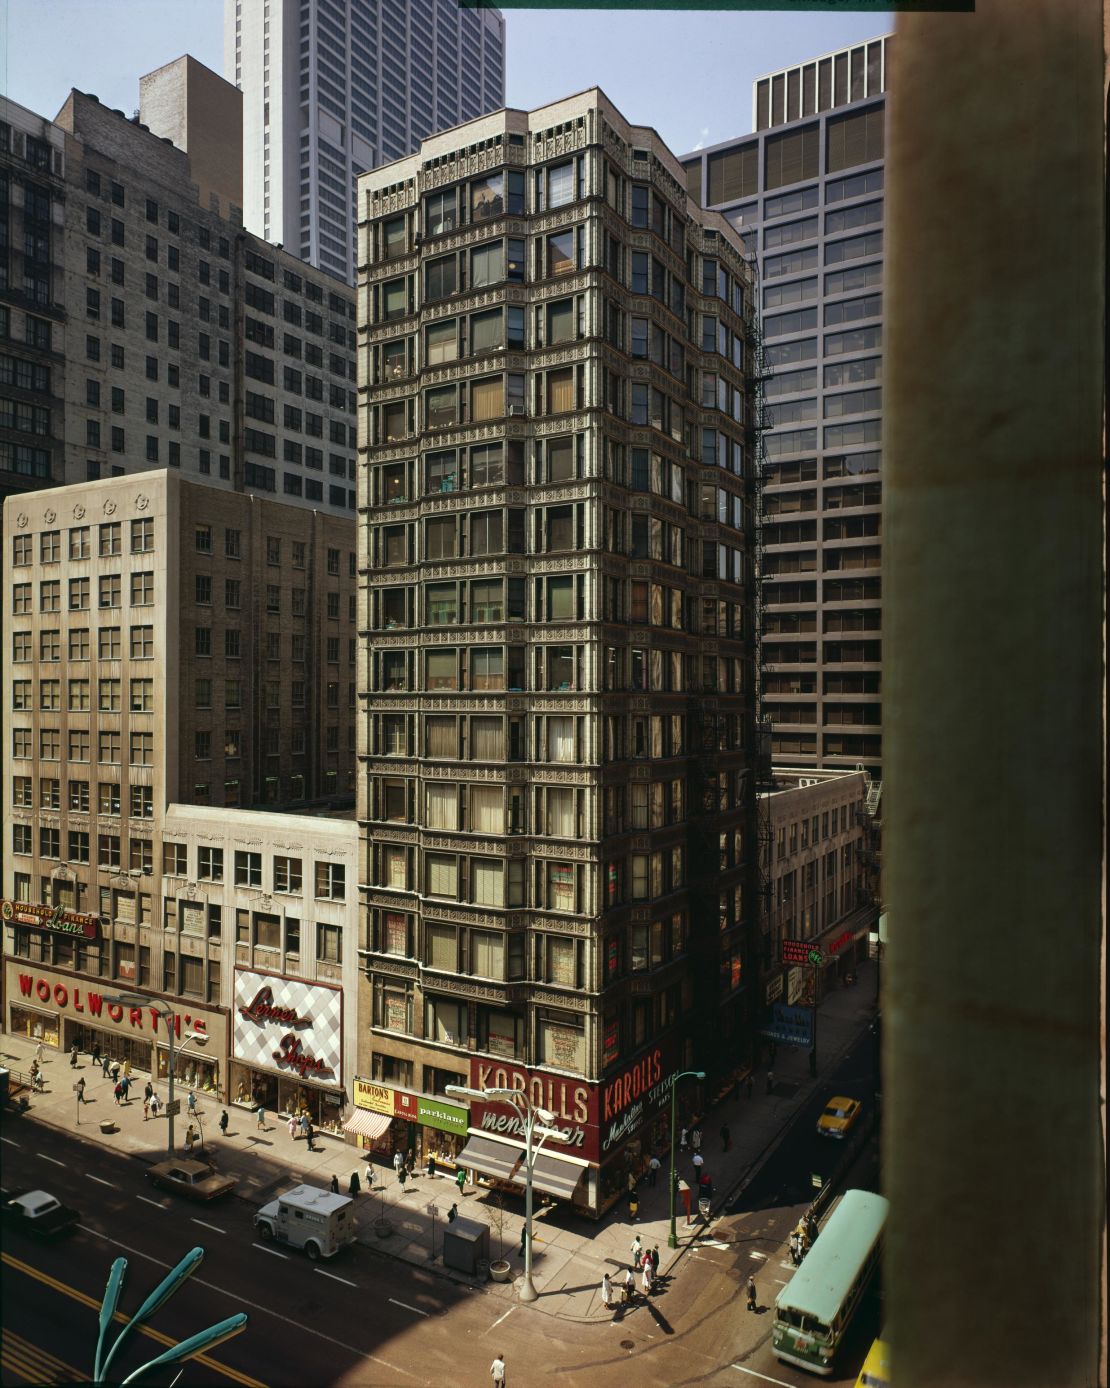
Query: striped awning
x=367 y=1124
x=491 y=1158
x=556 y=1177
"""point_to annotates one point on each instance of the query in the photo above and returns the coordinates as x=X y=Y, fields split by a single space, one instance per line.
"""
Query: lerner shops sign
x=287 y=1025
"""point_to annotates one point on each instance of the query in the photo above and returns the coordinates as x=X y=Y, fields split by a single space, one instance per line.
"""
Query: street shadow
x=565 y=1291
x=660 y=1320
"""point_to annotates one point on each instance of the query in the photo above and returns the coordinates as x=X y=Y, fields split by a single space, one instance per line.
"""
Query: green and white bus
x=813 y=1310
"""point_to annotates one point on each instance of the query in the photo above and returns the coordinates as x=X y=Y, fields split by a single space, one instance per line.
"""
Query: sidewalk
x=570 y=1254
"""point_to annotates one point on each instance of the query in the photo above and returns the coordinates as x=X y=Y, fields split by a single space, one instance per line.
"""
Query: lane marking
x=755 y=1253
x=54 y=1160
x=271 y=1251
x=499 y=1319
x=205 y=1225
x=9 y=1141
x=336 y=1278
x=100 y=1181
x=408 y=1307
x=779 y=1281
x=780 y=1381
x=147 y=1201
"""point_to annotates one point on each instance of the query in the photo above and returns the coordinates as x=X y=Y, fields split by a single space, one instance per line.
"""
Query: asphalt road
x=363 y=1318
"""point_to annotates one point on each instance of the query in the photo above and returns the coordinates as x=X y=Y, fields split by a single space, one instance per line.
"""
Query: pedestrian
x=262 y=1117
x=73 y=1056
x=80 y=1087
x=188 y=1144
x=117 y=1092
x=770 y=1081
x=637 y=1251
x=431 y=1164
x=155 y=1105
x=192 y=1104
x=191 y=1135
x=113 y=1070
x=104 y=1062
x=368 y=1175
x=646 y=1278
x=695 y=1139
x=607 y=1291
x=628 y=1286
x=751 y=1294
x=40 y=1052
x=402 y=1176
x=699 y=1161
x=310 y=1136
x=304 y=1123
x=223 y=1123
x=645 y=1261
x=726 y=1137
x=410 y=1162
x=633 y=1206
x=682 y=1140
x=795 y=1248
x=452 y=1214
x=125 y=1085
x=460 y=1180
x=127 y=1069
x=653 y=1169
x=655 y=1261
x=631 y=1182
x=148 y=1090
x=294 y=1126
x=398 y=1161
x=497 y=1370
x=95 y=1053
x=334 y=1185
x=354 y=1186
x=750 y=1084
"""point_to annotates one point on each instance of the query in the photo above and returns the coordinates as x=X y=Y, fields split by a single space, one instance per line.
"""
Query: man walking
x=653 y=1169
x=751 y=1294
x=637 y=1251
x=261 y=1118
x=40 y=1051
x=655 y=1260
x=223 y=1123
x=80 y=1087
x=460 y=1180
x=497 y=1371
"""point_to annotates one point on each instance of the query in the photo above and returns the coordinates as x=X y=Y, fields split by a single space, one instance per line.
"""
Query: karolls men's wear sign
x=288 y=1026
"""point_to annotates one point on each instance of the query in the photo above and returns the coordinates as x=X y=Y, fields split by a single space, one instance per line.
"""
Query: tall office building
x=143 y=328
x=334 y=87
x=557 y=730
x=806 y=193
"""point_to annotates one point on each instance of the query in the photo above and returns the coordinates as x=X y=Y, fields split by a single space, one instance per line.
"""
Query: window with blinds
x=487 y=399
x=487 y=330
x=487 y=954
x=560 y=739
x=487 y=809
x=790 y=157
x=487 y=739
x=487 y=668
x=442 y=342
x=487 y=265
x=560 y=184
x=561 y=817
x=442 y=670
x=447 y=1021
x=487 y=882
x=441 y=947
x=854 y=139
x=442 y=806
x=441 y=737
x=441 y=875
x=560 y=391
x=441 y=604
x=560 y=596
x=732 y=173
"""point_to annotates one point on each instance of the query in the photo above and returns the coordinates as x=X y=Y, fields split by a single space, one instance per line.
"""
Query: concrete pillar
x=992 y=699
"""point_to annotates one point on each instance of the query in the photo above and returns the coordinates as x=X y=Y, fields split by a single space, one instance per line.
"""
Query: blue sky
x=689 y=74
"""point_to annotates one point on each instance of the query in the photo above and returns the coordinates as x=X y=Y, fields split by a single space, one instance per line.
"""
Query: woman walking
x=607 y=1292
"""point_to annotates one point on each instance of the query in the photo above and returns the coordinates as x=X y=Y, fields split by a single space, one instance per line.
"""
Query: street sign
x=818 y=1181
x=801 y=952
x=815 y=956
x=431 y=1209
x=173 y=1108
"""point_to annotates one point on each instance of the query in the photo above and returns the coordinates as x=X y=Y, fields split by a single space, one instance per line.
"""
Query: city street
x=374 y=1320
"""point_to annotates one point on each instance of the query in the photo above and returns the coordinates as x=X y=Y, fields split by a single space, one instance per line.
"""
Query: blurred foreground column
x=993 y=550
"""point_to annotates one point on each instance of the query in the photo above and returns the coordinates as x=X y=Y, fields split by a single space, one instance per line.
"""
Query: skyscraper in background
x=806 y=193
x=334 y=87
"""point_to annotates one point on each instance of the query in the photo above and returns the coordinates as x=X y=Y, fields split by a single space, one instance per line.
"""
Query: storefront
x=612 y=1128
x=64 y=1010
x=287 y=1050
x=388 y=1120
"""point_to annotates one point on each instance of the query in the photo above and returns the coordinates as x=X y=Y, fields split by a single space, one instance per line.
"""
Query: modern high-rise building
x=557 y=724
x=806 y=193
x=334 y=87
x=143 y=328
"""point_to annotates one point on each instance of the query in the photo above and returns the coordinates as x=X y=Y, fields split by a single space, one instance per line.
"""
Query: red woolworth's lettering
x=262 y=1008
x=293 y=1055
x=115 y=1012
x=42 y=988
x=96 y=1004
x=61 y=995
x=26 y=982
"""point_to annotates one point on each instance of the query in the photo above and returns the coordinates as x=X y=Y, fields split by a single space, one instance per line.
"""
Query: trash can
x=465 y=1241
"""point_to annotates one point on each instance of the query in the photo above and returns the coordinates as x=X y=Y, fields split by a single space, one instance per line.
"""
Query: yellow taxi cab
x=876 y=1367
x=839 y=1115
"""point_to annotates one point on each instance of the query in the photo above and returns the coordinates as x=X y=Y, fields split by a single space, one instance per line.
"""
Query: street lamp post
x=536 y=1121
x=166 y=1013
x=672 y=1237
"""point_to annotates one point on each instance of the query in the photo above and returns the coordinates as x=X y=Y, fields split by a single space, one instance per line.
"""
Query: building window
x=331 y=881
x=248 y=869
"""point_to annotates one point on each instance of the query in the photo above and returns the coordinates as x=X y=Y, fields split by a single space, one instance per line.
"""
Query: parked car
x=37 y=1212
x=839 y=1115
x=196 y=1180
